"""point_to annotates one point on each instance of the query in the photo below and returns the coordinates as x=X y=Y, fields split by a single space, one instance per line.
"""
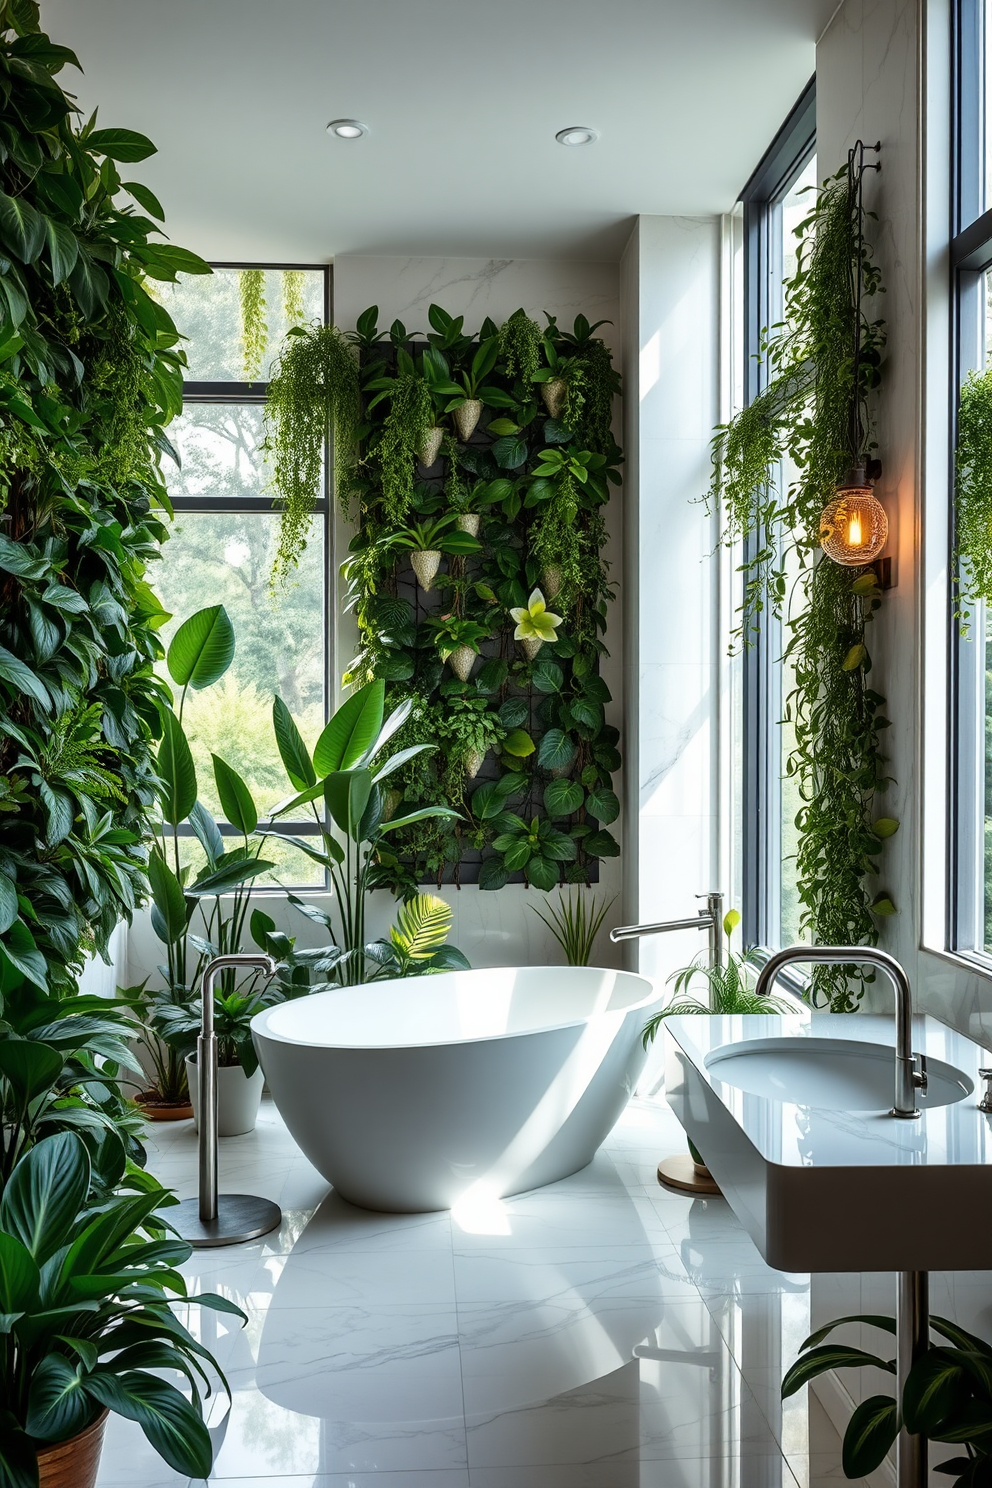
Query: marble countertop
x=796 y=1136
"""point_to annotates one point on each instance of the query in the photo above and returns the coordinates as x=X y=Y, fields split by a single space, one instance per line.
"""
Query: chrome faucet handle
x=920 y=1073
x=985 y=1104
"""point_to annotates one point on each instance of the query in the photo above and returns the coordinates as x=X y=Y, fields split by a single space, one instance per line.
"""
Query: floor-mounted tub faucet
x=710 y=918
x=909 y=1078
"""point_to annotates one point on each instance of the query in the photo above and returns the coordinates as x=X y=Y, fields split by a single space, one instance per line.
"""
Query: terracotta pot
x=425 y=563
x=530 y=646
x=553 y=393
x=73 y=1463
x=469 y=522
x=467 y=415
x=461 y=661
x=431 y=447
x=551 y=581
x=238 y=1097
x=154 y=1108
x=473 y=761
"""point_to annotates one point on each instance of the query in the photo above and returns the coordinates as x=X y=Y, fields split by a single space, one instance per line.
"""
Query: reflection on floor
x=599 y=1333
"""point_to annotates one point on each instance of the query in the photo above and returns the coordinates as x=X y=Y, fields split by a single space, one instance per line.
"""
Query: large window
x=970 y=876
x=776 y=199
x=223 y=543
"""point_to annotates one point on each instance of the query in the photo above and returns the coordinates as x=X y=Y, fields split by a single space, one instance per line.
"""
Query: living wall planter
x=238 y=1097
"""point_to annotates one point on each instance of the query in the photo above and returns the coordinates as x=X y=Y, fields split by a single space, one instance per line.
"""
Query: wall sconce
x=854 y=528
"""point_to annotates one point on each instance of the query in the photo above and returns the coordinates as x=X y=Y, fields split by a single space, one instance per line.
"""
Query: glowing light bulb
x=854 y=528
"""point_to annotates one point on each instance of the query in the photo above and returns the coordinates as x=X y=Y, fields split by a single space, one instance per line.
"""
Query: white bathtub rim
x=260 y=1023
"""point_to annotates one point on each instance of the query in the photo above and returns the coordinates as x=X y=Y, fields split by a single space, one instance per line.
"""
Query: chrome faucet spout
x=908 y=1078
x=710 y=919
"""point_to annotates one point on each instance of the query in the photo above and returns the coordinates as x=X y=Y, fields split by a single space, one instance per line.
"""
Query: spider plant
x=575 y=921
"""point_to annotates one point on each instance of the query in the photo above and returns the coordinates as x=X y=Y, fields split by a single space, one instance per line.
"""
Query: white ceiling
x=462 y=99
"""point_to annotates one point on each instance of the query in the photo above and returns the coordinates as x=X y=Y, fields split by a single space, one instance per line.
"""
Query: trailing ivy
x=254 y=331
x=815 y=415
x=314 y=387
x=90 y=375
x=973 y=507
x=523 y=750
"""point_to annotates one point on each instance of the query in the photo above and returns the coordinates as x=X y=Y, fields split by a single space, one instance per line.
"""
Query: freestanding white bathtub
x=408 y=1095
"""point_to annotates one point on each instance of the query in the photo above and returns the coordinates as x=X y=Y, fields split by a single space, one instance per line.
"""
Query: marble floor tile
x=342 y=1277
x=544 y=1274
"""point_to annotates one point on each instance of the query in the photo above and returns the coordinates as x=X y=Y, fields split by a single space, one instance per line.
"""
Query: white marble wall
x=670 y=286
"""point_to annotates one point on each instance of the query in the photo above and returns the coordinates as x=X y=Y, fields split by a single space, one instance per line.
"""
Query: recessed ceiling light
x=577 y=134
x=347 y=129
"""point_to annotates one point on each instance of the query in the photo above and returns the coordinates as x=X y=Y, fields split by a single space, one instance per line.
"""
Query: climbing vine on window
x=480 y=475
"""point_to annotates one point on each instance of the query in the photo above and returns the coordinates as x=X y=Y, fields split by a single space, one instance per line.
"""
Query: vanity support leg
x=912 y=1341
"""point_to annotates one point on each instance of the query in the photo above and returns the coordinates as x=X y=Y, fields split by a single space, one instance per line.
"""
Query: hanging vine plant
x=506 y=523
x=254 y=330
x=973 y=507
x=314 y=382
x=816 y=415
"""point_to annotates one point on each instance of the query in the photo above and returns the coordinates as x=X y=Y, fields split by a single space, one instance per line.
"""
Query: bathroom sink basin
x=792 y=1115
x=828 y=1073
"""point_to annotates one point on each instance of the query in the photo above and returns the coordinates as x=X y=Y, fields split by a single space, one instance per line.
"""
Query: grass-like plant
x=575 y=921
x=973 y=507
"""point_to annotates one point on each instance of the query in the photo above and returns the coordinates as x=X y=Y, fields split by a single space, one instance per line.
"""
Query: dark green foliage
x=90 y=374
x=536 y=488
x=947 y=1397
x=973 y=509
x=839 y=765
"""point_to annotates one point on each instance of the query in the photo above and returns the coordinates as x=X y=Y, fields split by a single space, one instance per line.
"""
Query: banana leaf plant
x=88 y=1290
x=200 y=653
x=343 y=781
x=947 y=1397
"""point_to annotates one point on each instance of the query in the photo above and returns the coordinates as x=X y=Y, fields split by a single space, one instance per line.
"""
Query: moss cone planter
x=238 y=1097
x=553 y=393
x=530 y=646
x=473 y=761
x=461 y=661
x=469 y=522
x=551 y=581
x=425 y=563
x=467 y=416
x=73 y=1463
x=431 y=447
x=390 y=803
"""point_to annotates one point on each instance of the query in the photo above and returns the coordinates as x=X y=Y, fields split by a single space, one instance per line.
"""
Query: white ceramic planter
x=238 y=1097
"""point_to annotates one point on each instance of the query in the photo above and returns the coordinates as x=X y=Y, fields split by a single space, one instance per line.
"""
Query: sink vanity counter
x=791 y=1114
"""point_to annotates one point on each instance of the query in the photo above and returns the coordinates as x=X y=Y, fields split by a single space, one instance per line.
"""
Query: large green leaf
x=346 y=794
x=20 y=950
x=828 y=1356
x=8 y=902
x=29 y=1067
x=233 y=869
x=424 y=813
x=352 y=731
x=170 y=1423
x=542 y=873
x=63 y=249
x=292 y=750
x=19 y=1275
x=562 y=797
x=18 y=1460
x=45 y=1194
x=22 y=678
x=177 y=771
x=22 y=228
x=936 y=1383
x=870 y=1433
x=57 y=1403
x=167 y=897
x=202 y=648
x=556 y=750
x=603 y=804
x=493 y=874
x=421 y=926
x=235 y=797
x=120 y=144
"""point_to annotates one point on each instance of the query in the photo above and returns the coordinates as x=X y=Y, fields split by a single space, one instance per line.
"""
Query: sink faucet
x=710 y=918
x=909 y=1079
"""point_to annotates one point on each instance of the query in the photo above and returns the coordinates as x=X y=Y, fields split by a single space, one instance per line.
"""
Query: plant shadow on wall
x=816 y=412
x=481 y=467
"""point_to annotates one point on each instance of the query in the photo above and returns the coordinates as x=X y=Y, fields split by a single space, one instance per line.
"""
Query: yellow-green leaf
x=856 y=657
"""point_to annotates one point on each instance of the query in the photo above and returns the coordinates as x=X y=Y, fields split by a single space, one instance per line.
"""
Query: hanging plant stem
x=520 y=346
x=404 y=435
x=315 y=381
x=254 y=330
x=292 y=297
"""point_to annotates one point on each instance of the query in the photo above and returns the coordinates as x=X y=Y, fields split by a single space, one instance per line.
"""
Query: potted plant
x=427 y=540
x=88 y=1292
x=561 y=384
x=729 y=991
x=575 y=921
x=239 y=1078
x=417 y=944
x=466 y=406
x=468 y=730
x=535 y=624
x=457 y=642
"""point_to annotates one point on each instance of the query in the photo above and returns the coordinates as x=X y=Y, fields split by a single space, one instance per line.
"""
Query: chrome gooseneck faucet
x=909 y=1078
x=710 y=918
x=214 y=1219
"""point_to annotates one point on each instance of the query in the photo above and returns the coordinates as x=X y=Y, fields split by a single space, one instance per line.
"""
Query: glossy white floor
x=598 y=1333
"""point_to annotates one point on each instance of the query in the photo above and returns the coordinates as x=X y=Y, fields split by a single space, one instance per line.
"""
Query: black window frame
x=761 y=870
x=255 y=393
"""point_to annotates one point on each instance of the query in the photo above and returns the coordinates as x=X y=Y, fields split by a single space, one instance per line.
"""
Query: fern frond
x=422 y=926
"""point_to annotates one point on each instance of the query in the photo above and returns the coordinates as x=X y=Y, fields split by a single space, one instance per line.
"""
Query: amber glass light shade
x=854 y=527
